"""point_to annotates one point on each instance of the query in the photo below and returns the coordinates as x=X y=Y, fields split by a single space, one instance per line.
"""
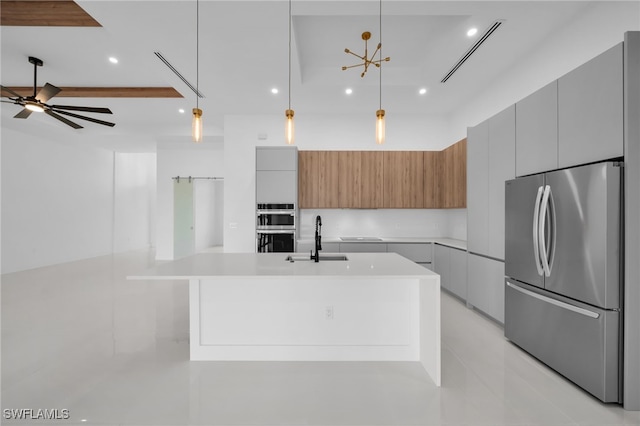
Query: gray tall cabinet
x=490 y=161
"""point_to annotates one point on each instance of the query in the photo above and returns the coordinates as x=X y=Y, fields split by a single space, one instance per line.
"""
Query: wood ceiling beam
x=37 y=13
x=104 y=92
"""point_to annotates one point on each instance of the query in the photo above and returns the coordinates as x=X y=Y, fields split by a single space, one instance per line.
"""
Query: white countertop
x=451 y=242
x=243 y=265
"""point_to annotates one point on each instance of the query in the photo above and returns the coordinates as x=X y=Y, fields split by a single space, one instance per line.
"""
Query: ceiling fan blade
x=47 y=92
x=84 y=109
x=64 y=120
x=6 y=89
x=23 y=114
x=82 y=117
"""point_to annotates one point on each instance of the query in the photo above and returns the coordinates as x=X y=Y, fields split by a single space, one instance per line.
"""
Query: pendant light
x=380 y=112
x=196 y=123
x=289 y=128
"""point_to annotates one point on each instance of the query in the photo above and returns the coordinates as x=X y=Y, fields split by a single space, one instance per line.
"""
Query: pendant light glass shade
x=380 y=126
x=196 y=125
x=289 y=128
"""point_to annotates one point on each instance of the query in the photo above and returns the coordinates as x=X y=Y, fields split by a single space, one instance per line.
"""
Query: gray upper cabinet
x=276 y=158
x=502 y=157
x=537 y=131
x=276 y=174
x=478 y=188
x=590 y=110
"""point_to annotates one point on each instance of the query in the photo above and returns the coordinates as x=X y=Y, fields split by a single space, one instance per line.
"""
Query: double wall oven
x=275 y=227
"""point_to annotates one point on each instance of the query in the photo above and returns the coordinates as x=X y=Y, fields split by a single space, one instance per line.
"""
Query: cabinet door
x=372 y=183
x=458 y=273
x=590 y=110
x=502 y=157
x=433 y=184
x=417 y=252
x=485 y=285
x=363 y=248
x=276 y=186
x=457 y=161
x=478 y=188
x=537 y=131
x=350 y=176
x=403 y=179
x=442 y=265
x=307 y=179
x=328 y=183
x=276 y=158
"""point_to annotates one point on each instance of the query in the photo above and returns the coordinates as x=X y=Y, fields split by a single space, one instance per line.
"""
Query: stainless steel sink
x=323 y=257
x=350 y=239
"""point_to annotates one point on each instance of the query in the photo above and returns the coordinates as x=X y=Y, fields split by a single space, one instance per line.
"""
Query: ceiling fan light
x=34 y=107
x=196 y=125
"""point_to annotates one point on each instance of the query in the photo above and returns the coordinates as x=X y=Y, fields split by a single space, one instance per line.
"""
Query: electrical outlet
x=328 y=312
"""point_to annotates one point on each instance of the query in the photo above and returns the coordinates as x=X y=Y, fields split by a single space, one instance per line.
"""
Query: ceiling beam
x=52 y=13
x=104 y=92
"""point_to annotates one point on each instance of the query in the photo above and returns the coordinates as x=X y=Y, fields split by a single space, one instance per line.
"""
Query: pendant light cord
x=289 y=54
x=380 y=23
x=197 y=52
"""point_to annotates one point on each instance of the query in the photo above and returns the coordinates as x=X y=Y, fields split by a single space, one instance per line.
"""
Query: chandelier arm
x=352 y=66
x=358 y=56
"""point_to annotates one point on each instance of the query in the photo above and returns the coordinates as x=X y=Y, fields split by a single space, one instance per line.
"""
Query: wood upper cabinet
x=403 y=179
x=455 y=182
x=383 y=179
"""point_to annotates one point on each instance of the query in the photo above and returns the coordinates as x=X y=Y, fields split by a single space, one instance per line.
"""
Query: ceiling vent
x=472 y=49
x=180 y=76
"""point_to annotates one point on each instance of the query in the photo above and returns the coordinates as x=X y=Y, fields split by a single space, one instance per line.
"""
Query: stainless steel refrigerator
x=563 y=267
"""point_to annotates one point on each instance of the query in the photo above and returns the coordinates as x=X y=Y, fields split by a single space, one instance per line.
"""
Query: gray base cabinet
x=451 y=264
x=485 y=286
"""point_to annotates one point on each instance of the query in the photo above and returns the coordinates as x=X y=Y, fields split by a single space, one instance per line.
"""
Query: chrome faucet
x=316 y=256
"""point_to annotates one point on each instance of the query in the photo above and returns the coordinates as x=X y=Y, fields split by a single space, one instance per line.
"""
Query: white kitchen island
x=260 y=307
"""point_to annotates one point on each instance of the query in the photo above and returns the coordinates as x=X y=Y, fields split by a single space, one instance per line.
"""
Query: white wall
x=64 y=200
x=186 y=159
x=135 y=201
x=599 y=28
x=313 y=132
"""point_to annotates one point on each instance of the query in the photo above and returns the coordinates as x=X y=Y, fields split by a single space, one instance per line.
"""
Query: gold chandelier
x=366 y=61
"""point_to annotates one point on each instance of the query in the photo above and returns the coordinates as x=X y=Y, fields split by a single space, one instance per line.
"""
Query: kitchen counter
x=258 y=306
x=246 y=265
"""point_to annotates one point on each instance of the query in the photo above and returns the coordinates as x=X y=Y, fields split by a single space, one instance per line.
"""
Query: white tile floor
x=80 y=337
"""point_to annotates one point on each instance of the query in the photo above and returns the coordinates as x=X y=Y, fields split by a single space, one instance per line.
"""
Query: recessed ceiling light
x=348 y=91
x=181 y=111
x=422 y=91
x=472 y=32
x=113 y=60
x=274 y=91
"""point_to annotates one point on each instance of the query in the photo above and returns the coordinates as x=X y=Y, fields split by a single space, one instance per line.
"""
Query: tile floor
x=80 y=337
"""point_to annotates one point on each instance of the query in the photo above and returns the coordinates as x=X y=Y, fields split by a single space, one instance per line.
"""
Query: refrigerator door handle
x=544 y=247
x=555 y=302
x=536 y=231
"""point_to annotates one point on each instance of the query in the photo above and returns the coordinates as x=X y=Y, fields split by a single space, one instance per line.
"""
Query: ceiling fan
x=37 y=102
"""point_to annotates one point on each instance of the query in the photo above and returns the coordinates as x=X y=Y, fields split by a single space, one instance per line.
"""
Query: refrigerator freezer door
x=578 y=341
x=522 y=260
x=587 y=234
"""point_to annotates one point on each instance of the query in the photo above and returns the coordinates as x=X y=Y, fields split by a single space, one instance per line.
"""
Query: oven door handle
x=270 y=212
x=276 y=231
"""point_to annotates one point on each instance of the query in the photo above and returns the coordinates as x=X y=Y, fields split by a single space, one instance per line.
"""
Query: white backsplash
x=450 y=223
